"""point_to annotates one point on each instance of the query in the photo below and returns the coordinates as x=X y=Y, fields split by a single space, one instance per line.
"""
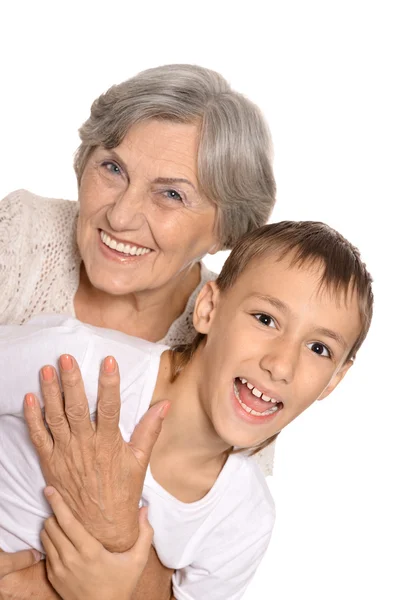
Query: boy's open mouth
x=253 y=400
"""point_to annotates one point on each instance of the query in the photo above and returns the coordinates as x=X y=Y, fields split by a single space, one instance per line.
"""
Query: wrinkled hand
x=78 y=566
x=98 y=474
x=15 y=561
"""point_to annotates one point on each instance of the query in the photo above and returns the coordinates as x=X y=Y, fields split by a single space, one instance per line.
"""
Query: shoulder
x=22 y=210
x=248 y=487
x=25 y=200
x=234 y=538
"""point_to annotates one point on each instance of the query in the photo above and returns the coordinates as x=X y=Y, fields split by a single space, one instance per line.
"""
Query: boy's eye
x=319 y=349
x=266 y=320
x=173 y=195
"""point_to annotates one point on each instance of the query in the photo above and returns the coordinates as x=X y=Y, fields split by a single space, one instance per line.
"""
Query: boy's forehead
x=285 y=278
x=281 y=267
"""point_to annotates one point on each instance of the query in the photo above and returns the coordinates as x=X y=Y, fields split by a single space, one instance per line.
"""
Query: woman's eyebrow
x=171 y=180
x=117 y=157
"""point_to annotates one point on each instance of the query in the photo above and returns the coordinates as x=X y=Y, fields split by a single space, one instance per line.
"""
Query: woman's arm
x=15 y=561
x=28 y=584
x=77 y=439
x=78 y=566
x=99 y=475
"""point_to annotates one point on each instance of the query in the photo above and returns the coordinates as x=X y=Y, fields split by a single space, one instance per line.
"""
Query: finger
x=69 y=528
x=52 y=555
x=40 y=437
x=141 y=548
x=147 y=431
x=54 y=404
x=109 y=403
x=10 y=562
x=59 y=539
x=76 y=405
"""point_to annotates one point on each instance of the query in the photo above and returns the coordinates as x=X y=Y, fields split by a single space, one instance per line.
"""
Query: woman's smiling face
x=143 y=219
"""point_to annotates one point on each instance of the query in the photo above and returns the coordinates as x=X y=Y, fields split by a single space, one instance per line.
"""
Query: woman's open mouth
x=123 y=249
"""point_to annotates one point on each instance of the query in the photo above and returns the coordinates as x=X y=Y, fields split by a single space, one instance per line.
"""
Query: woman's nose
x=128 y=211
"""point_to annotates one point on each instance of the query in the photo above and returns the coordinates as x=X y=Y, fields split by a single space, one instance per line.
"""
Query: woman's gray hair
x=235 y=150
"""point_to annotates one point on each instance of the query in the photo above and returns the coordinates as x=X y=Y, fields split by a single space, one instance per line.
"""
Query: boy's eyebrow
x=333 y=335
x=279 y=304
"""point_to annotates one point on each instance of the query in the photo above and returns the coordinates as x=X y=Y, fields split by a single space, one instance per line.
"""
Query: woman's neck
x=147 y=315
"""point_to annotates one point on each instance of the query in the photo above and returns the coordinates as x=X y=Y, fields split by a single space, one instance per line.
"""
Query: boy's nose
x=281 y=360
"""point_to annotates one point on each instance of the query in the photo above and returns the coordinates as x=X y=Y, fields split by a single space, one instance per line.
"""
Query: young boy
x=278 y=330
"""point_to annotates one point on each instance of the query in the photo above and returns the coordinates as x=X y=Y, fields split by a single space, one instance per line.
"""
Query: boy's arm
x=32 y=583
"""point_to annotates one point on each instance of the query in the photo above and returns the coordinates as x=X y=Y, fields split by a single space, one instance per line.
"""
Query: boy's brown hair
x=306 y=243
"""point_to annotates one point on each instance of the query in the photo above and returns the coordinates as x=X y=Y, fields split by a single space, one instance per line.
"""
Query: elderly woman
x=172 y=165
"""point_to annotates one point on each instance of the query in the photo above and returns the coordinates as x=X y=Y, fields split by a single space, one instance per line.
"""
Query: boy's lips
x=253 y=406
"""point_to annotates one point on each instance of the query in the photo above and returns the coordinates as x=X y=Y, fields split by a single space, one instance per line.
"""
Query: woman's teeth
x=123 y=248
x=257 y=392
x=270 y=411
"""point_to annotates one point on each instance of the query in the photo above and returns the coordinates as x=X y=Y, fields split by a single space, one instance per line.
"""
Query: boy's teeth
x=257 y=392
x=270 y=411
x=123 y=248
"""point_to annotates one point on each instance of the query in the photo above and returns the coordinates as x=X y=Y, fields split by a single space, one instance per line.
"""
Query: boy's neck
x=187 y=431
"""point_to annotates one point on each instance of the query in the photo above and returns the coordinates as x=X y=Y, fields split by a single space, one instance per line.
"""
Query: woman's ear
x=336 y=379
x=205 y=306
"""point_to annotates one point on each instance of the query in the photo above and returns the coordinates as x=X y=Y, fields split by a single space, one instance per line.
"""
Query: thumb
x=140 y=551
x=10 y=562
x=146 y=433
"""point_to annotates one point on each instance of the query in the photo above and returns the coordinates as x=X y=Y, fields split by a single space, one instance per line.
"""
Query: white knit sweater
x=40 y=267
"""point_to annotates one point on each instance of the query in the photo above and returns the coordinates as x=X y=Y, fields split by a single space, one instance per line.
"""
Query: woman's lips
x=121 y=251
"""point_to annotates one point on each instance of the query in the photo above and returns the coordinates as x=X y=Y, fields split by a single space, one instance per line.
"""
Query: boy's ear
x=205 y=305
x=337 y=378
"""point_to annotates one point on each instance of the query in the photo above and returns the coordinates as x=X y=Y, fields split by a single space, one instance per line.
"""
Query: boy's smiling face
x=277 y=332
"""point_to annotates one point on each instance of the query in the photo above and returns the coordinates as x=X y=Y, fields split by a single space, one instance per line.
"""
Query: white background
x=325 y=75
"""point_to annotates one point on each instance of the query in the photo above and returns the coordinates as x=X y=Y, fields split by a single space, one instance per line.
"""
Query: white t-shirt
x=214 y=544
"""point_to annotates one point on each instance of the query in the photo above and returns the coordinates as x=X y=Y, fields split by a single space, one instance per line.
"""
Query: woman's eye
x=266 y=320
x=173 y=195
x=319 y=349
x=112 y=167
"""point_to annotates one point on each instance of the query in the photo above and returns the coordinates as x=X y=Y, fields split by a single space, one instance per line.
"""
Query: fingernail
x=30 y=400
x=66 y=362
x=109 y=364
x=47 y=373
x=36 y=554
x=49 y=491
